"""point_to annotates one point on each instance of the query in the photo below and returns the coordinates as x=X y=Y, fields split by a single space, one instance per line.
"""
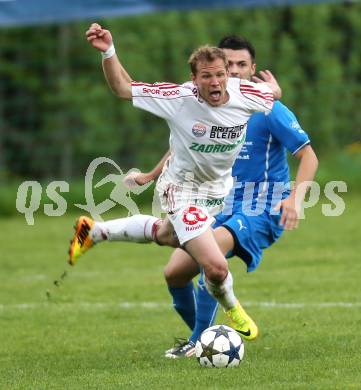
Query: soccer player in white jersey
x=251 y=221
x=199 y=172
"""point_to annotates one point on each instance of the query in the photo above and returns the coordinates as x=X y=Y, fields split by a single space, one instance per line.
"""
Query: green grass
x=98 y=332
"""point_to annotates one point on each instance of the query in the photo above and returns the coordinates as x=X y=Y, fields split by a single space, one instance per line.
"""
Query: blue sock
x=184 y=301
x=206 y=310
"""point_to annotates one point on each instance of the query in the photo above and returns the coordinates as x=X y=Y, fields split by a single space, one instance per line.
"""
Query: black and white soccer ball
x=219 y=346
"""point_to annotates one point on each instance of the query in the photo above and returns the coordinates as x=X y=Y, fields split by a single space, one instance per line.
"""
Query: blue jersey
x=261 y=172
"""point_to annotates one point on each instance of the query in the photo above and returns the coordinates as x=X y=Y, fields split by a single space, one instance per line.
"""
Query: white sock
x=137 y=228
x=223 y=292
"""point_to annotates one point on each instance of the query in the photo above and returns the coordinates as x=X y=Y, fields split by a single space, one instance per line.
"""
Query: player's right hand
x=290 y=212
x=98 y=37
x=134 y=179
x=267 y=77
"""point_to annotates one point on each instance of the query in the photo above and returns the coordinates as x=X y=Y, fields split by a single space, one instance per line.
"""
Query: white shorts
x=189 y=217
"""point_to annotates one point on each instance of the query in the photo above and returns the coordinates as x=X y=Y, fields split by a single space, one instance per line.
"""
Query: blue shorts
x=251 y=235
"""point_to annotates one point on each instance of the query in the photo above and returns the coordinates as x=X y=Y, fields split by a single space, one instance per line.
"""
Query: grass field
x=107 y=326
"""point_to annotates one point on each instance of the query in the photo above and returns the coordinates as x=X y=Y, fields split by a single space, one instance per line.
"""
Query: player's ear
x=193 y=77
x=253 y=68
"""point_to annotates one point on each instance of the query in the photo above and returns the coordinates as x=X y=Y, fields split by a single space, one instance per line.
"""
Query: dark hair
x=236 y=42
x=206 y=54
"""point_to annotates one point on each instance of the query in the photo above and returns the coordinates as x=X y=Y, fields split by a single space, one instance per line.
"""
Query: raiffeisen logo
x=192 y=215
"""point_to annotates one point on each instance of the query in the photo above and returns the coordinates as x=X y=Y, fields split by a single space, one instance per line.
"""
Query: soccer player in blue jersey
x=258 y=209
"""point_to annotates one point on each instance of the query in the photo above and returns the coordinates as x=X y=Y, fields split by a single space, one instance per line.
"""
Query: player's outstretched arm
x=140 y=178
x=117 y=77
x=267 y=77
x=306 y=171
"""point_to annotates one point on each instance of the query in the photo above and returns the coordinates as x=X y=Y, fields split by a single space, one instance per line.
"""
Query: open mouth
x=215 y=95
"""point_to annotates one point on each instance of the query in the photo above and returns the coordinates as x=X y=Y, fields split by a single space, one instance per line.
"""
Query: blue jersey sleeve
x=284 y=126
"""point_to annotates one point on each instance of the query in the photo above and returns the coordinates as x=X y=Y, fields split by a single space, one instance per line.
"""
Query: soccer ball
x=219 y=346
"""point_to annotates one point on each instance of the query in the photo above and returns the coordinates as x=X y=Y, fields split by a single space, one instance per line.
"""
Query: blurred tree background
x=57 y=113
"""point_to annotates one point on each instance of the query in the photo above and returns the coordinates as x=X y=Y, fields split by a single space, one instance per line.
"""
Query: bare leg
x=181 y=269
x=205 y=250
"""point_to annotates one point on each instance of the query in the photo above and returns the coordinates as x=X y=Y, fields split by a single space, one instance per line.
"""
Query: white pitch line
x=294 y=305
x=164 y=305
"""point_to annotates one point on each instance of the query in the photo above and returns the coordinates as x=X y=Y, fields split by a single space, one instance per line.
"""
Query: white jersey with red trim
x=204 y=140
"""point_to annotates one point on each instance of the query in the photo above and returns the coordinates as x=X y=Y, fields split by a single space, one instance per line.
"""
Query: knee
x=166 y=237
x=216 y=272
x=168 y=275
x=173 y=278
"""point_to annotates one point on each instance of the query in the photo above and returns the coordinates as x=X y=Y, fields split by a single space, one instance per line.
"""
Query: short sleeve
x=258 y=96
x=284 y=126
x=162 y=99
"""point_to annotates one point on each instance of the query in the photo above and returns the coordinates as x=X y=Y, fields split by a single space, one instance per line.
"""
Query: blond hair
x=206 y=54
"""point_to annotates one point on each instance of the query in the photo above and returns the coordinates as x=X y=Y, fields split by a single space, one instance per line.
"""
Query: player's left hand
x=267 y=77
x=290 y=212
